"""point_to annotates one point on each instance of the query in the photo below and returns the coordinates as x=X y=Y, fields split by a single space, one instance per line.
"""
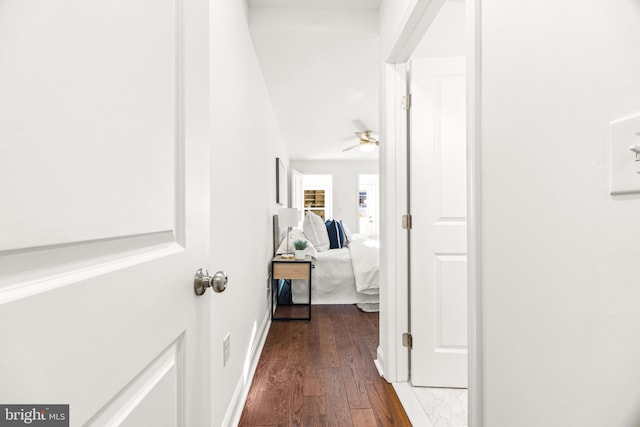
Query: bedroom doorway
x=313 y=193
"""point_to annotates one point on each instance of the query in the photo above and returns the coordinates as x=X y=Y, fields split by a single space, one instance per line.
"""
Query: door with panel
x=104 y=218
x=439 y=224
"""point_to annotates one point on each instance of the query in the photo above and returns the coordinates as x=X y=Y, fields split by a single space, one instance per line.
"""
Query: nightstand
x=290 y=269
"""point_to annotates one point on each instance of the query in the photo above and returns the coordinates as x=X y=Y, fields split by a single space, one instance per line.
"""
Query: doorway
x=425 y=30
x=313 y=193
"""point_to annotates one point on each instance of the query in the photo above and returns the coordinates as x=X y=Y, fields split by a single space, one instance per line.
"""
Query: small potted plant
x=300 y=246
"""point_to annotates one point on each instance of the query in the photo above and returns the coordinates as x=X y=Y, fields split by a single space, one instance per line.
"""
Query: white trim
x=239 y=398
x=402 y=238
x=393 y=258
x=474 y=217
x=379 y=361
x=411 y=405
x=386 y=202
x=415 y=25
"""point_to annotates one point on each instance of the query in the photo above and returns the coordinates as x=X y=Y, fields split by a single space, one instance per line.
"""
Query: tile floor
x=445 y=407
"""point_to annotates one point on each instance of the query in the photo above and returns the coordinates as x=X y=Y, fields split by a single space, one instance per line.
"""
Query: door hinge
x=407 y=340
x=406 y=102
x=407 y=222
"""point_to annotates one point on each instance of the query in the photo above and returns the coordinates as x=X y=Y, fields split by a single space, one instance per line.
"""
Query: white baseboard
x=379 y=362
x=234 y=410
x=412 y=405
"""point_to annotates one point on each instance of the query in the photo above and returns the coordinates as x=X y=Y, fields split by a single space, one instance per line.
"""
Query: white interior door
x=297 y=194
x=438 y=234
x=368 y=204
x=104 y=218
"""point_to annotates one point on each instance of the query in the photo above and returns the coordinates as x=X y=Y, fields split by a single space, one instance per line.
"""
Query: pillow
x=316 y=231
x=348 y=238
x=296 y=235
x=336 y=234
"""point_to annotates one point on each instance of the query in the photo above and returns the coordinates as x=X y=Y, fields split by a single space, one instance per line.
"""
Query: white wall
x=560 y=255
x=446 y=35
x=345 y=184
x=246 y=141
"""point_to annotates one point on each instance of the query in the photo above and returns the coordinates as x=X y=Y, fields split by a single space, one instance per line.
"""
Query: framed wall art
x=282 y=187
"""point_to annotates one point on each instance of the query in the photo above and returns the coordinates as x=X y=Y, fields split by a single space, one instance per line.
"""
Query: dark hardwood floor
x=321 y=373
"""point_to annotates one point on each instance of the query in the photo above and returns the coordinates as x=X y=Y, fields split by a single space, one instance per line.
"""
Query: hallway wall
x=246 y=141
x=560 y=255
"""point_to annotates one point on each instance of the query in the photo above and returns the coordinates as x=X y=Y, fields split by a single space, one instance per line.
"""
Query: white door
x=297 y=194
x=104 y=215
x=368 y=204
x=438 y=234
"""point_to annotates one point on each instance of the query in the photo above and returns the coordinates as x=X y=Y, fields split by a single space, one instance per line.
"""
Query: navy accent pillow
x=336 y=234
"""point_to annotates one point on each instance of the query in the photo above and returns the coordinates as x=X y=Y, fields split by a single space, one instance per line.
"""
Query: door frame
x=393 y=357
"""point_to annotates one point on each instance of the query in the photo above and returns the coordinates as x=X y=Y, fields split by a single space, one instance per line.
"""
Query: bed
x=349 y=275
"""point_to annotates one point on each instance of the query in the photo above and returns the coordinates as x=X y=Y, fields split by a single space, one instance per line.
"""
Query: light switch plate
x=625 y=178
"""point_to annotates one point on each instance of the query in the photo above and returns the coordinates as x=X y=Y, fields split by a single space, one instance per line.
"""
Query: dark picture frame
x=282 y=188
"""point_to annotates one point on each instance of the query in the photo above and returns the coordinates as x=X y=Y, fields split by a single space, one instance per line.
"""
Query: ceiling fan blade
x=359 y=124
x=351 y=148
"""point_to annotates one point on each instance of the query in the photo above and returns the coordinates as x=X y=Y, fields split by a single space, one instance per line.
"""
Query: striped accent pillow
x=336 y=234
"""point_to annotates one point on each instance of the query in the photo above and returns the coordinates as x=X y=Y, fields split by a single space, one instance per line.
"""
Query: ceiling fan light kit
x=367 y=147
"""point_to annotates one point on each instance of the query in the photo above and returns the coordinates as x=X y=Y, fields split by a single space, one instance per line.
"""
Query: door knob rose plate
x=202 y=281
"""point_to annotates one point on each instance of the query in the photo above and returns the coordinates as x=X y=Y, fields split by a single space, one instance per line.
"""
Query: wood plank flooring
x=321 y=373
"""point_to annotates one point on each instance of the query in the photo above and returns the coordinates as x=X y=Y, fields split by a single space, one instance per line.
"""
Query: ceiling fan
x=367 y=142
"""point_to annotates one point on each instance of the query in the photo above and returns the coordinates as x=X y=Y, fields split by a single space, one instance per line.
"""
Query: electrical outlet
x=268 y=288
x=226 y=348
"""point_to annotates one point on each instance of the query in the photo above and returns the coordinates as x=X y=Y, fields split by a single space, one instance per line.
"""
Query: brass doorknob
x=202 y=281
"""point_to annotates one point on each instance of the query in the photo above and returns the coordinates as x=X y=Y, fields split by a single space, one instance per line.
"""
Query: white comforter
x=365 y=260
x=343 y=276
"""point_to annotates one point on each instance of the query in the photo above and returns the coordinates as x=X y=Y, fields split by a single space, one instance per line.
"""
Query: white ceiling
x=321 y=65
x=318 y=4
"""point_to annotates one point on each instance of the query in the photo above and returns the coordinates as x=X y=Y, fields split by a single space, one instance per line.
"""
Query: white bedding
x=343 y=276
x=365 y=259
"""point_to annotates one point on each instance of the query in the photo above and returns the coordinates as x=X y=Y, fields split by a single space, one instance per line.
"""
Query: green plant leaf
x=300 y=244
